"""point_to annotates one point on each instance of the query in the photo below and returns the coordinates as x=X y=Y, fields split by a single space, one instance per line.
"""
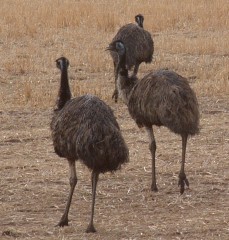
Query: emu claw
x=154 y=188
x=182 y=182
x=115 y=95
x=63 y=222
x=90 y=229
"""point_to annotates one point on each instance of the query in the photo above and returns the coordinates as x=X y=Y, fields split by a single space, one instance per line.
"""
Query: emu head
x=62 y=63
x=117 y=47
x=139 y=19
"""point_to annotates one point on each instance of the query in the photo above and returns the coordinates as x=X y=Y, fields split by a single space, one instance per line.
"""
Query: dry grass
x=192 y=38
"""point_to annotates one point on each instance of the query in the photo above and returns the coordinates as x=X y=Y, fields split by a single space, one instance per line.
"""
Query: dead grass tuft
x=106 y=22
x=190 y=37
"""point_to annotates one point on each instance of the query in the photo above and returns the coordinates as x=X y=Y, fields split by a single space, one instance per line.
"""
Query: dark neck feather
x=64 y=91
x=139 y=21
x=122 y=69
x=140 y=24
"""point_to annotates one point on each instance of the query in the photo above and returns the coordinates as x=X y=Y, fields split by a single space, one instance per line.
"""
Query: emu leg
x=115 y=93
x=152 y=148
x=73 y=181
x=182 y=177
x=136 y=67
x=94 y=179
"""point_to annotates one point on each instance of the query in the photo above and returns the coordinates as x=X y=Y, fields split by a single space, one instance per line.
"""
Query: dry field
x=192 y=38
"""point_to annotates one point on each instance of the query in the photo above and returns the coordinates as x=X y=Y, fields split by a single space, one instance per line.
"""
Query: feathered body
x=86 y=129
x=139 y=45
x=164 y=98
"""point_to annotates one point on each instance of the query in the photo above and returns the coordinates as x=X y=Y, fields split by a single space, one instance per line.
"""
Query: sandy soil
x=34 y=182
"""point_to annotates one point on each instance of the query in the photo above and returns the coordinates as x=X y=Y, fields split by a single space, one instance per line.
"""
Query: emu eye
x=119 y=45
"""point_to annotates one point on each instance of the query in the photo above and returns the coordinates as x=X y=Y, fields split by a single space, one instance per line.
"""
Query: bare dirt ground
x=34 y=182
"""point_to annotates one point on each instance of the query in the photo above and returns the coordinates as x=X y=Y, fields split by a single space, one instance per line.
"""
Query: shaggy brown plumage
x=161 y=98
x=139 y=46
x=85 y=129
x=167 y=100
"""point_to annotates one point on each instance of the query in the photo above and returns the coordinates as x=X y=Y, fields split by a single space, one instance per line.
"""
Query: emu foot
x=182 y=182
x=63 y=222
x=90 y=229
x=115 y=95
x=154 y=187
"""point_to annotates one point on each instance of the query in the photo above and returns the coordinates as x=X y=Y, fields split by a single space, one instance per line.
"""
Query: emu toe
x=182 y=182
x=63 y=222
x=90 y=229
x=154 y=188
x=115 y=95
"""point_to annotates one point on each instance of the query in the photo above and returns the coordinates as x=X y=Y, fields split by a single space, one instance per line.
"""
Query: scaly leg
x=115 y=93
x=182 y=177
x=73 y=181
x=135 y=72
x=152 y=147
x=94 y=179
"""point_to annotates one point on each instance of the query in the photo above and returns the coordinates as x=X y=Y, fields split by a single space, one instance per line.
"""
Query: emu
x=161 y=98
x=139 y=19
x=139 y=47
x=84 y=128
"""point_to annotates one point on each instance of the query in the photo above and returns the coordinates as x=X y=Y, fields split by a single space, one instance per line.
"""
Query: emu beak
x=109 y=48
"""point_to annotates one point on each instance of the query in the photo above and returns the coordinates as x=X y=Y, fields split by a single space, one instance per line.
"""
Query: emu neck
x=64 y=91
x=125 y=83
x=140 y=24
